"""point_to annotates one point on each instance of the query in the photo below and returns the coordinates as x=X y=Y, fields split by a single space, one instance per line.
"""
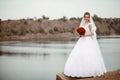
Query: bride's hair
x=87 y=13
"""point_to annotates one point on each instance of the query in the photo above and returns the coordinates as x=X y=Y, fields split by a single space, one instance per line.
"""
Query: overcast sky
x=16 y=9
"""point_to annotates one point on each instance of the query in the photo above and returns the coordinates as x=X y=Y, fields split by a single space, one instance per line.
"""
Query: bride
x=85 y=59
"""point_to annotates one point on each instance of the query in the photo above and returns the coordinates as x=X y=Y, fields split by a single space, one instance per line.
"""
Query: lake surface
x=34 y=60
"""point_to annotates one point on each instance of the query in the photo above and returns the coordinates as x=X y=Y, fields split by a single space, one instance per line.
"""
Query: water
x=32 y=60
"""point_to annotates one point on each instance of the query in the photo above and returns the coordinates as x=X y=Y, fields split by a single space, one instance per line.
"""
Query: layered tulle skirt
x=85 y=60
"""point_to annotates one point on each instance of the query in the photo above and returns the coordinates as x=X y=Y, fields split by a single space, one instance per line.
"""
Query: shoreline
x=52 y=38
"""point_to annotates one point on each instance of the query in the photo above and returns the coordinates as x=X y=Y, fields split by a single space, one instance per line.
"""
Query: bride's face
x=87 y=18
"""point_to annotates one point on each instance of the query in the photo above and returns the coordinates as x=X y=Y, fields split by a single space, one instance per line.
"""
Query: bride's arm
x=88 y=35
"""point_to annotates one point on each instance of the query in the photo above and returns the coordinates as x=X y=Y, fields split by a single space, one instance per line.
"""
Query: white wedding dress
x=85 y=59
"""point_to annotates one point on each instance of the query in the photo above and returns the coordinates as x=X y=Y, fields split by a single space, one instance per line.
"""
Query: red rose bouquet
x=81 y=30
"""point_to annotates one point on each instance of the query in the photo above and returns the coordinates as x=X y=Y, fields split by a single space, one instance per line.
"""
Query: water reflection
x=36 y=47
x=21 y=60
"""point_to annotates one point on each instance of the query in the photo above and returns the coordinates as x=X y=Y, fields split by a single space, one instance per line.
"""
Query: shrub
x=71 y=31
x=22 y=30
x=73 y=18
x=13 y=31
x=64 y=18
x=39 y=20
x=0 y=21
x=41 y=30
x=51 y=31
x=62 y=30
x=2 y=35
x=45 y=18
x=56 y=29
x=25 y=22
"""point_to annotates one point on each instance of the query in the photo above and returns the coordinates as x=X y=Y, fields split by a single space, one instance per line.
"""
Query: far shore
x=52 y=38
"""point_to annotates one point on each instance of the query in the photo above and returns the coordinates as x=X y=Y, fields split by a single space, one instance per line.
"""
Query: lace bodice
x=86 y=27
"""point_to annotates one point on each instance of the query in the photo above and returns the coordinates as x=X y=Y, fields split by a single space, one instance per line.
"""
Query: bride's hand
x=87 y=35
x=82 y=35
x=92 y=34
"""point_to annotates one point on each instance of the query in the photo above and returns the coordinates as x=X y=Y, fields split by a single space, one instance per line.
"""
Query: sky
x=17 y=9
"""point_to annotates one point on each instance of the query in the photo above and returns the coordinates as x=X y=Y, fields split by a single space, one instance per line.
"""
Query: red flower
x=81 y=30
